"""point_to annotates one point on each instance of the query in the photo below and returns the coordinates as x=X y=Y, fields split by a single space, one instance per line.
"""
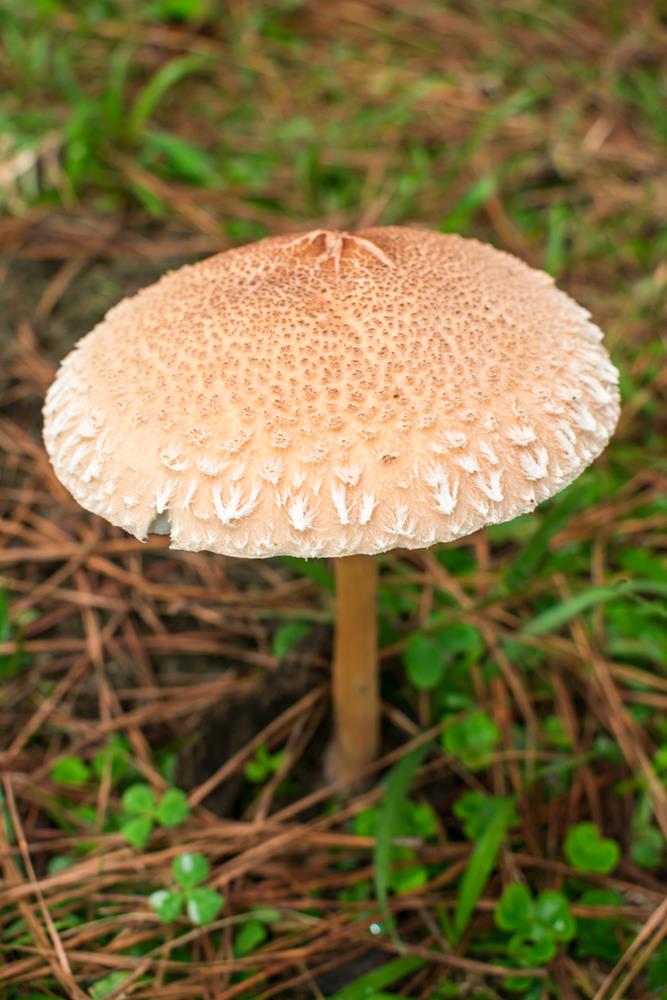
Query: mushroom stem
x=356 y=699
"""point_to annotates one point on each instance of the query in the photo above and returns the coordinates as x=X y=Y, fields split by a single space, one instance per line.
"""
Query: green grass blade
x=398 y=783
x=559 y=614
x=113 y=100
x=481 y=863
x=372 y=982
x=556 y=252
x=474 y=198
x=533 y=553
x=170 y=74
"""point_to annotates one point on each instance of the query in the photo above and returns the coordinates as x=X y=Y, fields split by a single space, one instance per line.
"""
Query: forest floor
x=164 y=715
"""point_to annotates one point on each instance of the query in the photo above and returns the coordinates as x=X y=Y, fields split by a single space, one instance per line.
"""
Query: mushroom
x=333 y=394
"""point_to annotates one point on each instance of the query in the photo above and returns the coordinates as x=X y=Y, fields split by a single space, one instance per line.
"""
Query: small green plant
x=555 y=734
x=102 y=988
x=201 y=903
x=287 y=636
x=12 y=631
x=590 y=853
x=600 y=937
x=263 y=764
x=647 y=844
x=486 y=821
x=70 y=770
x=143 y=810
x=250 y=935
x=423 y=662
x=537 y=925
x=113 y=759
x=471 y=738
x=431 y=659
x=412 y=820
x=657 y=972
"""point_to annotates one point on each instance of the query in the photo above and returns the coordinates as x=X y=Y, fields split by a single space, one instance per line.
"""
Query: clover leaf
x=476 y=810
x=538 y=924
x=201 y=903
x=143 y=810
x=190 y=869
x=552 y=910
x=249 y=936
x=138 y=799
x=167 y=905
x=471 y=738
x=137 y=830
x=70 y=770
x=515 y=910
x=536 y=947
x=172 y=809
x=263 y=764
x=424 y=662
x=588 y=852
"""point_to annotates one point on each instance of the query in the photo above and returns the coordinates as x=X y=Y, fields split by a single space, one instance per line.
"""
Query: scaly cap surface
x=330 y=394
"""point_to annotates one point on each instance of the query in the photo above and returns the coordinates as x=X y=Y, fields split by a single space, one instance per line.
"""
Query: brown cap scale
x=330 y=394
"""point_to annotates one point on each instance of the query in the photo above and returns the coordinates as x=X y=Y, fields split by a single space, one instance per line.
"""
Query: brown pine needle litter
x=175 y=130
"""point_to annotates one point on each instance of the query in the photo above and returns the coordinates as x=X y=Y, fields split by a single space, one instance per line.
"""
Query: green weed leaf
x=535 y=948
x=70 y=771
x=172 y=808
x=190 y=869
x=104 y=987
x=475 y=810
x=588 y=852
x=203 y=905
x=471 y=738
x=552 y=910
x=287 y=636
x=112 y=759
x=168 y=905
x=657 y=968
x=249 y=936
x=423 y=662
x=138 y=799
x=515 y=911
x=263 y=764
x=598 y=937
x=137 y=831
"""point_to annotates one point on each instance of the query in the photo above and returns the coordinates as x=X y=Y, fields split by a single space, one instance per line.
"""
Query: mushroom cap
x=329 y=394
